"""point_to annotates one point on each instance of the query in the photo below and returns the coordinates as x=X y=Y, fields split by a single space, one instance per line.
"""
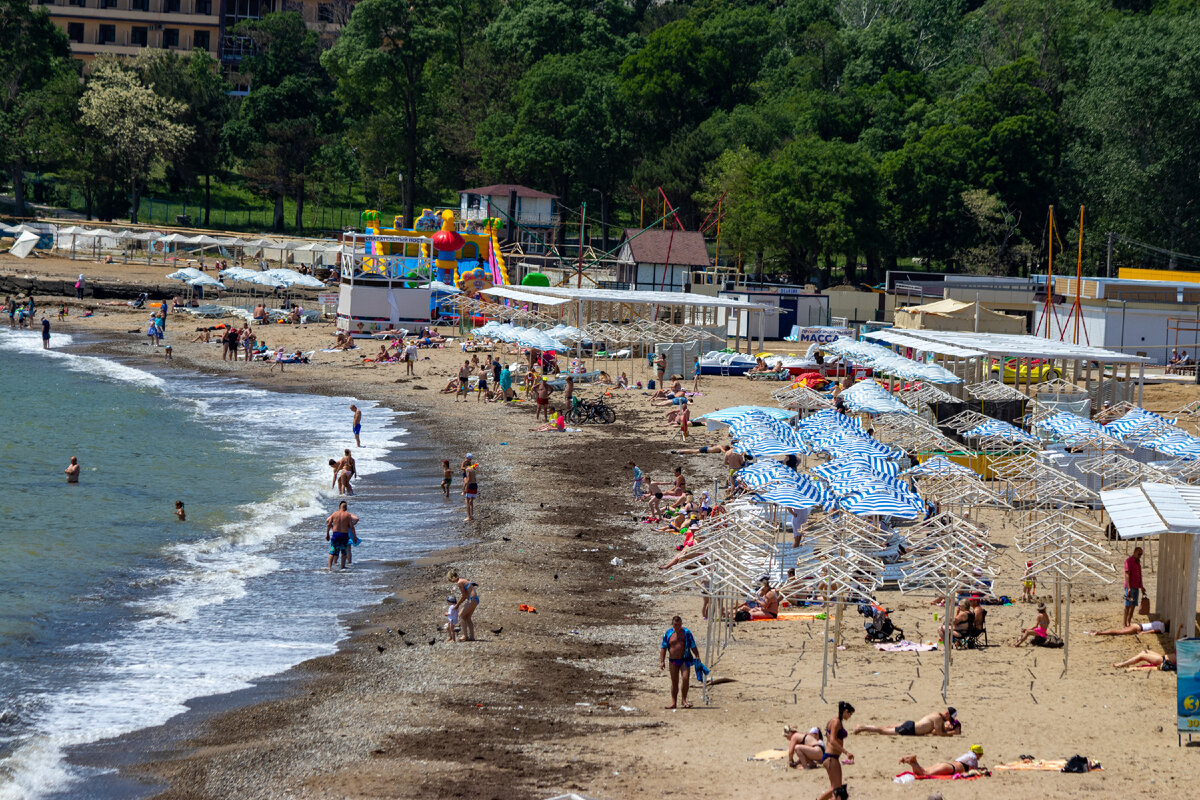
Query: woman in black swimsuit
x=835 y=736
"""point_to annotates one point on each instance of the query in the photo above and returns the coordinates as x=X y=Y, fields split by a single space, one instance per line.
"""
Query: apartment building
x=125 y=27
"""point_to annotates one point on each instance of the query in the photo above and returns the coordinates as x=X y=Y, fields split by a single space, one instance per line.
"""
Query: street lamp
x=603 y=219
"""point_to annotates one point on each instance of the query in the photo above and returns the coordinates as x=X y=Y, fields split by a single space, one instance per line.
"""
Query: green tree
x=135 y=126
x=194 y=80
x=287 y=116
x=567 y=134
x=37 y=77
x=1136 y=130
x=384 y=67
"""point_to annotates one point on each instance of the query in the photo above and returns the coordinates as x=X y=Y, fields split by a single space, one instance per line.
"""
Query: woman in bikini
x=466 y=604
x=804 y=747
x=470 y=490
x=834 y=750
x=1041 y=627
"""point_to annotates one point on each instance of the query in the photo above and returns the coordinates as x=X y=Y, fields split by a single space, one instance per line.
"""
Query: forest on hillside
x=838 y=136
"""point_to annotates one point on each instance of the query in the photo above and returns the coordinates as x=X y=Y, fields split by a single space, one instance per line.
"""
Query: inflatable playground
x=468 y=259
x=403 y=275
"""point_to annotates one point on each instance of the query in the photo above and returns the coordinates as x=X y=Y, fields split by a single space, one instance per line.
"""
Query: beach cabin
x=535 y=212
x=657 y=260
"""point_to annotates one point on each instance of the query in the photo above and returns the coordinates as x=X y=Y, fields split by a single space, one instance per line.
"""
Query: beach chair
x=794 y=335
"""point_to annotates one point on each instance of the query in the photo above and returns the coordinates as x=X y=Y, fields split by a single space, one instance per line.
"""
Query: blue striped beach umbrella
x=939 y=465
x=881 y=504
x=998 y=429
x=1180 y=445
x=788 y=496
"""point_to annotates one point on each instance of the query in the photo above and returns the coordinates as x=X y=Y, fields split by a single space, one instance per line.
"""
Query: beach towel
x=906 y=647
x=768 y=755
x=701 y=671
x=792 y=616
x=1037 y=765
x=907 y=777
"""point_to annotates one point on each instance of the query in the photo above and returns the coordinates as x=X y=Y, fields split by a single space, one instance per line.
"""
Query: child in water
x=179 y=512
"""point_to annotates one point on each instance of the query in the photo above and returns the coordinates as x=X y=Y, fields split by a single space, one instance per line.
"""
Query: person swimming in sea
x=179 y=512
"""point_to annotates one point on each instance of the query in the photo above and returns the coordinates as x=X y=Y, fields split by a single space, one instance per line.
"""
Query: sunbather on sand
x=1148 y=658
x=766 y=605
x=967 y=762
x=937 y=723
x=805 y=748
x=1040 y=629
x=1129 y=630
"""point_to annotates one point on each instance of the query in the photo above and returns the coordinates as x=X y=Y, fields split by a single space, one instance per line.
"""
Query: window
x=75 y=31
x=137 y=37
x=325 y=12
x=171 y=37
x=107 y=34
x=108 y=3
x=200 y=40
x=204 y=7
x=171 y=6
x=79 y=3
x=140 y=5
x=472 y=201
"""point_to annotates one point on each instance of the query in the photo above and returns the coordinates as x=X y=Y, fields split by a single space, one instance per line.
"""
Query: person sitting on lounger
x=805 y=748
x=967 y=762
x=1129 y=630
x=766 y=605
x=759 y=366
x=1148 y=658
x=260 y=313
x=937 y=723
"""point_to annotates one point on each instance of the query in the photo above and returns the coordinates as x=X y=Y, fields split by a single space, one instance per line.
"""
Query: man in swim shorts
x=680 y=645
x=338 y=528
x=72 y=471
x=939 y=723
x=357 y=425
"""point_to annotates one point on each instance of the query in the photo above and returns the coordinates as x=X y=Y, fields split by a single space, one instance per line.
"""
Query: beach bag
x=1077 y=764
x=1144 y=608
x=741 y=616
x=1052 y=641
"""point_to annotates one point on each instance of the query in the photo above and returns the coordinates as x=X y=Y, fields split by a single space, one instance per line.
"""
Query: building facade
x=536 y=213
x=127 y=27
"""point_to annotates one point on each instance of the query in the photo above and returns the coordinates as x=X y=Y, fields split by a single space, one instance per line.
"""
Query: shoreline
x=164 y=767
x=151 y=741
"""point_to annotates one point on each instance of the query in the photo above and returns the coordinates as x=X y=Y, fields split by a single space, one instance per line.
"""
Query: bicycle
x=590 y=411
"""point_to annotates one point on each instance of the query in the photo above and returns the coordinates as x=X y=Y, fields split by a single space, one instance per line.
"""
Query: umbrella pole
x=825 y=641
x=946 y=645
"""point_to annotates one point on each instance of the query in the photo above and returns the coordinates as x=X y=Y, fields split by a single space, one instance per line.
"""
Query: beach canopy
x=194 y=277
x=727 y=415
x=997 y=429
x=884 y=361
x=938 y=465
x=870 y=397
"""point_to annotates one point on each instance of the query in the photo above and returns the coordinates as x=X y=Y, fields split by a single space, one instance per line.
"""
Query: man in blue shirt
x=679 y=644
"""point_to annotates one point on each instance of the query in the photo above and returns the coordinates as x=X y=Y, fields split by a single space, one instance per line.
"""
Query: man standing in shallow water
x=72 y=471
x=357 y=424
x=338 y=528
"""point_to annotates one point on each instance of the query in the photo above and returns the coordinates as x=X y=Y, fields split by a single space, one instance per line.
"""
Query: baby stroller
x=879 y=626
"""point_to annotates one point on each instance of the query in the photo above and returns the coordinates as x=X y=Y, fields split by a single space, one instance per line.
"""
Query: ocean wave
x=30 y=343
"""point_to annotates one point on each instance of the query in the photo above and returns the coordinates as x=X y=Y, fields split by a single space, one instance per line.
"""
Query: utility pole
x=1108 y=263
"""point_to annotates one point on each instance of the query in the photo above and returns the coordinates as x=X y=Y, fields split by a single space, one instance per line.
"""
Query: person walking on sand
x=410 y=358
x=45 y=333
x=72 y=471
x=447 y=478
x=338 y=529
x=679 y=645
x=1133 y=584
x=357 y=424
x=468 y=602
x=79 y=287
x=835 y=749
x=464 y=381
x=470 y=490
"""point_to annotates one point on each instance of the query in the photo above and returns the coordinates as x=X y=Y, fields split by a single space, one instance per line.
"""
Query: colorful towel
x=900 y=778
x=769 y=755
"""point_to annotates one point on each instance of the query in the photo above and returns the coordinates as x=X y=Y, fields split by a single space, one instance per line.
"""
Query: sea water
x=112 y=612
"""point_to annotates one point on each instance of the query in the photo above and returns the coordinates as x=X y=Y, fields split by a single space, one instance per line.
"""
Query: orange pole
x=1079 y=277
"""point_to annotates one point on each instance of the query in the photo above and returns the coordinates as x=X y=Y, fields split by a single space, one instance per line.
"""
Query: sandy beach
x=570 y=698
